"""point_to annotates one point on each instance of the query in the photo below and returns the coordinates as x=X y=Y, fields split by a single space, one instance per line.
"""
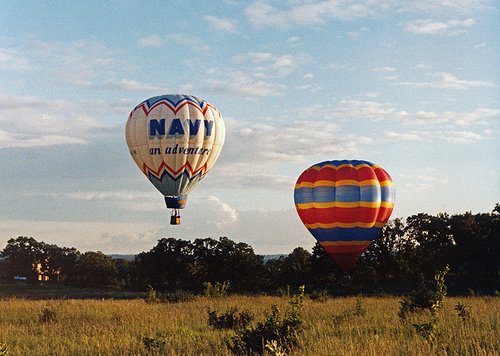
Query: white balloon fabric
x=175 y=140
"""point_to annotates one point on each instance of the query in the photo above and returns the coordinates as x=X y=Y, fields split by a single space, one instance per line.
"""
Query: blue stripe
x=388 y=194
x=173 y=186
x=174 y=99
x=345 y=234
x=337 y=163
x=348 y=193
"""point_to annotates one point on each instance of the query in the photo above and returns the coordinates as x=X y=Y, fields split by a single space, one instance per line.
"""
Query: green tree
x=167 y=266
x=95 y=269
x=21 y=255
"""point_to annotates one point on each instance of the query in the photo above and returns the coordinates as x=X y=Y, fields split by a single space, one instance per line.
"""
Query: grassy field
x=118 y=327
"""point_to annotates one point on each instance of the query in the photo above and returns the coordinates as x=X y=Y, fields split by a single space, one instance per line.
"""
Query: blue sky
x=410 y=85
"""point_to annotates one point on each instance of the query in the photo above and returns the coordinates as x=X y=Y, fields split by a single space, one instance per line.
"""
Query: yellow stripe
x=339 y=183
x=357 y=204
x=344 y=225
x=387 y=183
x=344 y=243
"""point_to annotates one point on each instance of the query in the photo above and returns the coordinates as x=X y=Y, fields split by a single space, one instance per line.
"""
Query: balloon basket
x=175 y=219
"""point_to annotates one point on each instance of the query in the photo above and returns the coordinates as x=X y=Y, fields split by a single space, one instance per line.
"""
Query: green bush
x=216 y=290
x=48 y=315
x=231 y=319
x=347 y=314
x=426 y=299
x=463 y=311
x=277 y=334
x=154 y=343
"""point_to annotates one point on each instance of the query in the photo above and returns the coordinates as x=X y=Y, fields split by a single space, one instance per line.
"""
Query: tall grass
x=119 y=327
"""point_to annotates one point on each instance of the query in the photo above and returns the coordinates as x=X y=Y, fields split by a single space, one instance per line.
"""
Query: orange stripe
x=363 y=204
x=343 y=225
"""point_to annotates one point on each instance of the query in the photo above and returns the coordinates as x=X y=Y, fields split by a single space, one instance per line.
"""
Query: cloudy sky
x=410 y=85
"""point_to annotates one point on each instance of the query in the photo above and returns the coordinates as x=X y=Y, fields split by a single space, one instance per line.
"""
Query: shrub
x=216 y=290
x=151 y=296
x=358 y=311
x=277 y=333
x=319 y=295
x=154 y=344
x=177 y=296
x=231 y=319
x=463 y=311
x=48 y=315
x=431 y=300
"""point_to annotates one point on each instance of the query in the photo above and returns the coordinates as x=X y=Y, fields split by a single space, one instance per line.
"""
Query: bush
x=177 y=296
x=277 y=334
x=231 y=319
x=154 y=344
x=358 y=311
x=173 y=297
x=48 y=315
x=463 y=311
x=216 y=290
x=431 y=300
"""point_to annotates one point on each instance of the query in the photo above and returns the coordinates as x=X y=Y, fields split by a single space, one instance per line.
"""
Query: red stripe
x=384 y=214
x=345 y=256
x=336 y=214
x=382 y=174
x=309 y=175
x=163 y=166
x=334 y=175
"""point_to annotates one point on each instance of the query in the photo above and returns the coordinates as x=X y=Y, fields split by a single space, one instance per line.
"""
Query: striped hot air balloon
x=344 y=204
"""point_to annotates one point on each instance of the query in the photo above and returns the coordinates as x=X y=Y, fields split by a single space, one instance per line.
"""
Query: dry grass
x=117 y=327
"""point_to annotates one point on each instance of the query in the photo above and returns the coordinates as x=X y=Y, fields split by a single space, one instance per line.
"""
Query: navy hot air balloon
x=175 y=140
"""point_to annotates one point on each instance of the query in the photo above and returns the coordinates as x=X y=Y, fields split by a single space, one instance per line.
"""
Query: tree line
x=405 y=256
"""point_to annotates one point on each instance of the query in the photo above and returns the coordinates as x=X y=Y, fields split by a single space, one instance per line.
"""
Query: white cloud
x=151 y=41
x=345 y=109
x=127 y=200
x=479 y=115
x=317 y=13
x=404 y=136
x=27 y=121
x=448 y=81
x=268 y=65
x=450 y=27
x=262 y=14
x=446 y=7
x=11 y=59
x=421 y=182
x=195 y=44
x=108 y=237
x=241 y=83
x=384 y=70
x=129 y=85
x=225 y=25
x=462 y=137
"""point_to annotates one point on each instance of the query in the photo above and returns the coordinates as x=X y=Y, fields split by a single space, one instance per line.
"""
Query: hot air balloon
x=344 y=204
x=175 y=140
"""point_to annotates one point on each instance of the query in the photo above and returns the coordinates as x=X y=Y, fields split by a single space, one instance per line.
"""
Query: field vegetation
x=331 y=326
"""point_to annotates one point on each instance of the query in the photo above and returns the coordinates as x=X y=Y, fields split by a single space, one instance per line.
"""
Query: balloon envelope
x=175 y=140
x=344 y=204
